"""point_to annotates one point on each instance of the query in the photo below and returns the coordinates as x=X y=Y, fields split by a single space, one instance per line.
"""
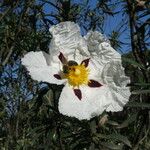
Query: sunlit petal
x=93 y=102
x=67 y=39
x=39 y=69
x=113 y=75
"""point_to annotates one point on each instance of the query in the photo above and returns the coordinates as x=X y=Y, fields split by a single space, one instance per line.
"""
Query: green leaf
x=115 y=137
x=113 y=123
x=129 y=120
x=140 y=84
x=132 y=62
x=136 y=104
x=111 y=145
x=140 y=92
x=49 y=97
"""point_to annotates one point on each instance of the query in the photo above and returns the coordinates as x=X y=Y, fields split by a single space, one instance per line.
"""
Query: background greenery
x=29 y=118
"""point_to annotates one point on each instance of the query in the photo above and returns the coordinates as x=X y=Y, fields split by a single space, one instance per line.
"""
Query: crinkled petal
x=100 y=48
x=36 y=59
x=107 y=53
x=95 y=69
x=66 y=38
x=37 y=63
x=94 y=101
x=120 y=96
x=94 y=38
x=76 y=56
x=113 y=75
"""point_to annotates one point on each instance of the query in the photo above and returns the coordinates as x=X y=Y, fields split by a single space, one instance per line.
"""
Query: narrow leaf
x=129 y=120
x=111 y=146
x=113 y=123
x=140 y=105
x=115 y=137
x=132 y=62
x=139 y=84
x=140 y=92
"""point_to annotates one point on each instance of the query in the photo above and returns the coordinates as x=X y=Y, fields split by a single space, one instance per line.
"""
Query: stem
x=59 y=137
x=134 y=41
x=93 y=131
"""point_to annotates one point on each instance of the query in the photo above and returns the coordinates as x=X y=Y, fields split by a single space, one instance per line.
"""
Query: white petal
x=113 y=75
x=94 y=38
x=36 y=59
x=94 y=68
x=66 y=38
x=39 y=69
x=119 y=97
x=94 y=102
x=100 y=48
x=107 y=53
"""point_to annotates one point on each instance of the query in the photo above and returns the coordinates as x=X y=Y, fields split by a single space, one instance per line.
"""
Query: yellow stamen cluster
x=77 y=75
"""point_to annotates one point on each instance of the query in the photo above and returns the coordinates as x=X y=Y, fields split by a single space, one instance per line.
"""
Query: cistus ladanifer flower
x=88 y=67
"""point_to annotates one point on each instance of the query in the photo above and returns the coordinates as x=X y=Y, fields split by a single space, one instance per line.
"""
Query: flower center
x=77 y=75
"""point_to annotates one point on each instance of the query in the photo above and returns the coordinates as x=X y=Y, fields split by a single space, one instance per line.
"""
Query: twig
x=59 y=137
x=5 y=13
x=8 y=56
x=93 y=131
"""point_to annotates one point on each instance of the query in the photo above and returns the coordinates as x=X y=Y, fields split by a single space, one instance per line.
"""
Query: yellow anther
x=77 y=72
x=77 y=75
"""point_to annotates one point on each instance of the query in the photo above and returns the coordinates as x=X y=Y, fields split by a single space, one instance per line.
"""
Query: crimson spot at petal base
x=78 y=93
x=85 y=62
x=62 y=58
x=93 y=83
x=57 y=76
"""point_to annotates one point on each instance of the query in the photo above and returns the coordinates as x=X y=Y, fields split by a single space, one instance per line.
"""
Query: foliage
x=29 y=118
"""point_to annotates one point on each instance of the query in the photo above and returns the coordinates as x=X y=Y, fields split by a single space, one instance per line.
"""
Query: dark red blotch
x=78 y=93
x=93 y=84
x=85 y=62
x=57 y=76
x=62 y=58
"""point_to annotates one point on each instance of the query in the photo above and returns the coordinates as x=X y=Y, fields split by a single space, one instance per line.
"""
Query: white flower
x=89 y=68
